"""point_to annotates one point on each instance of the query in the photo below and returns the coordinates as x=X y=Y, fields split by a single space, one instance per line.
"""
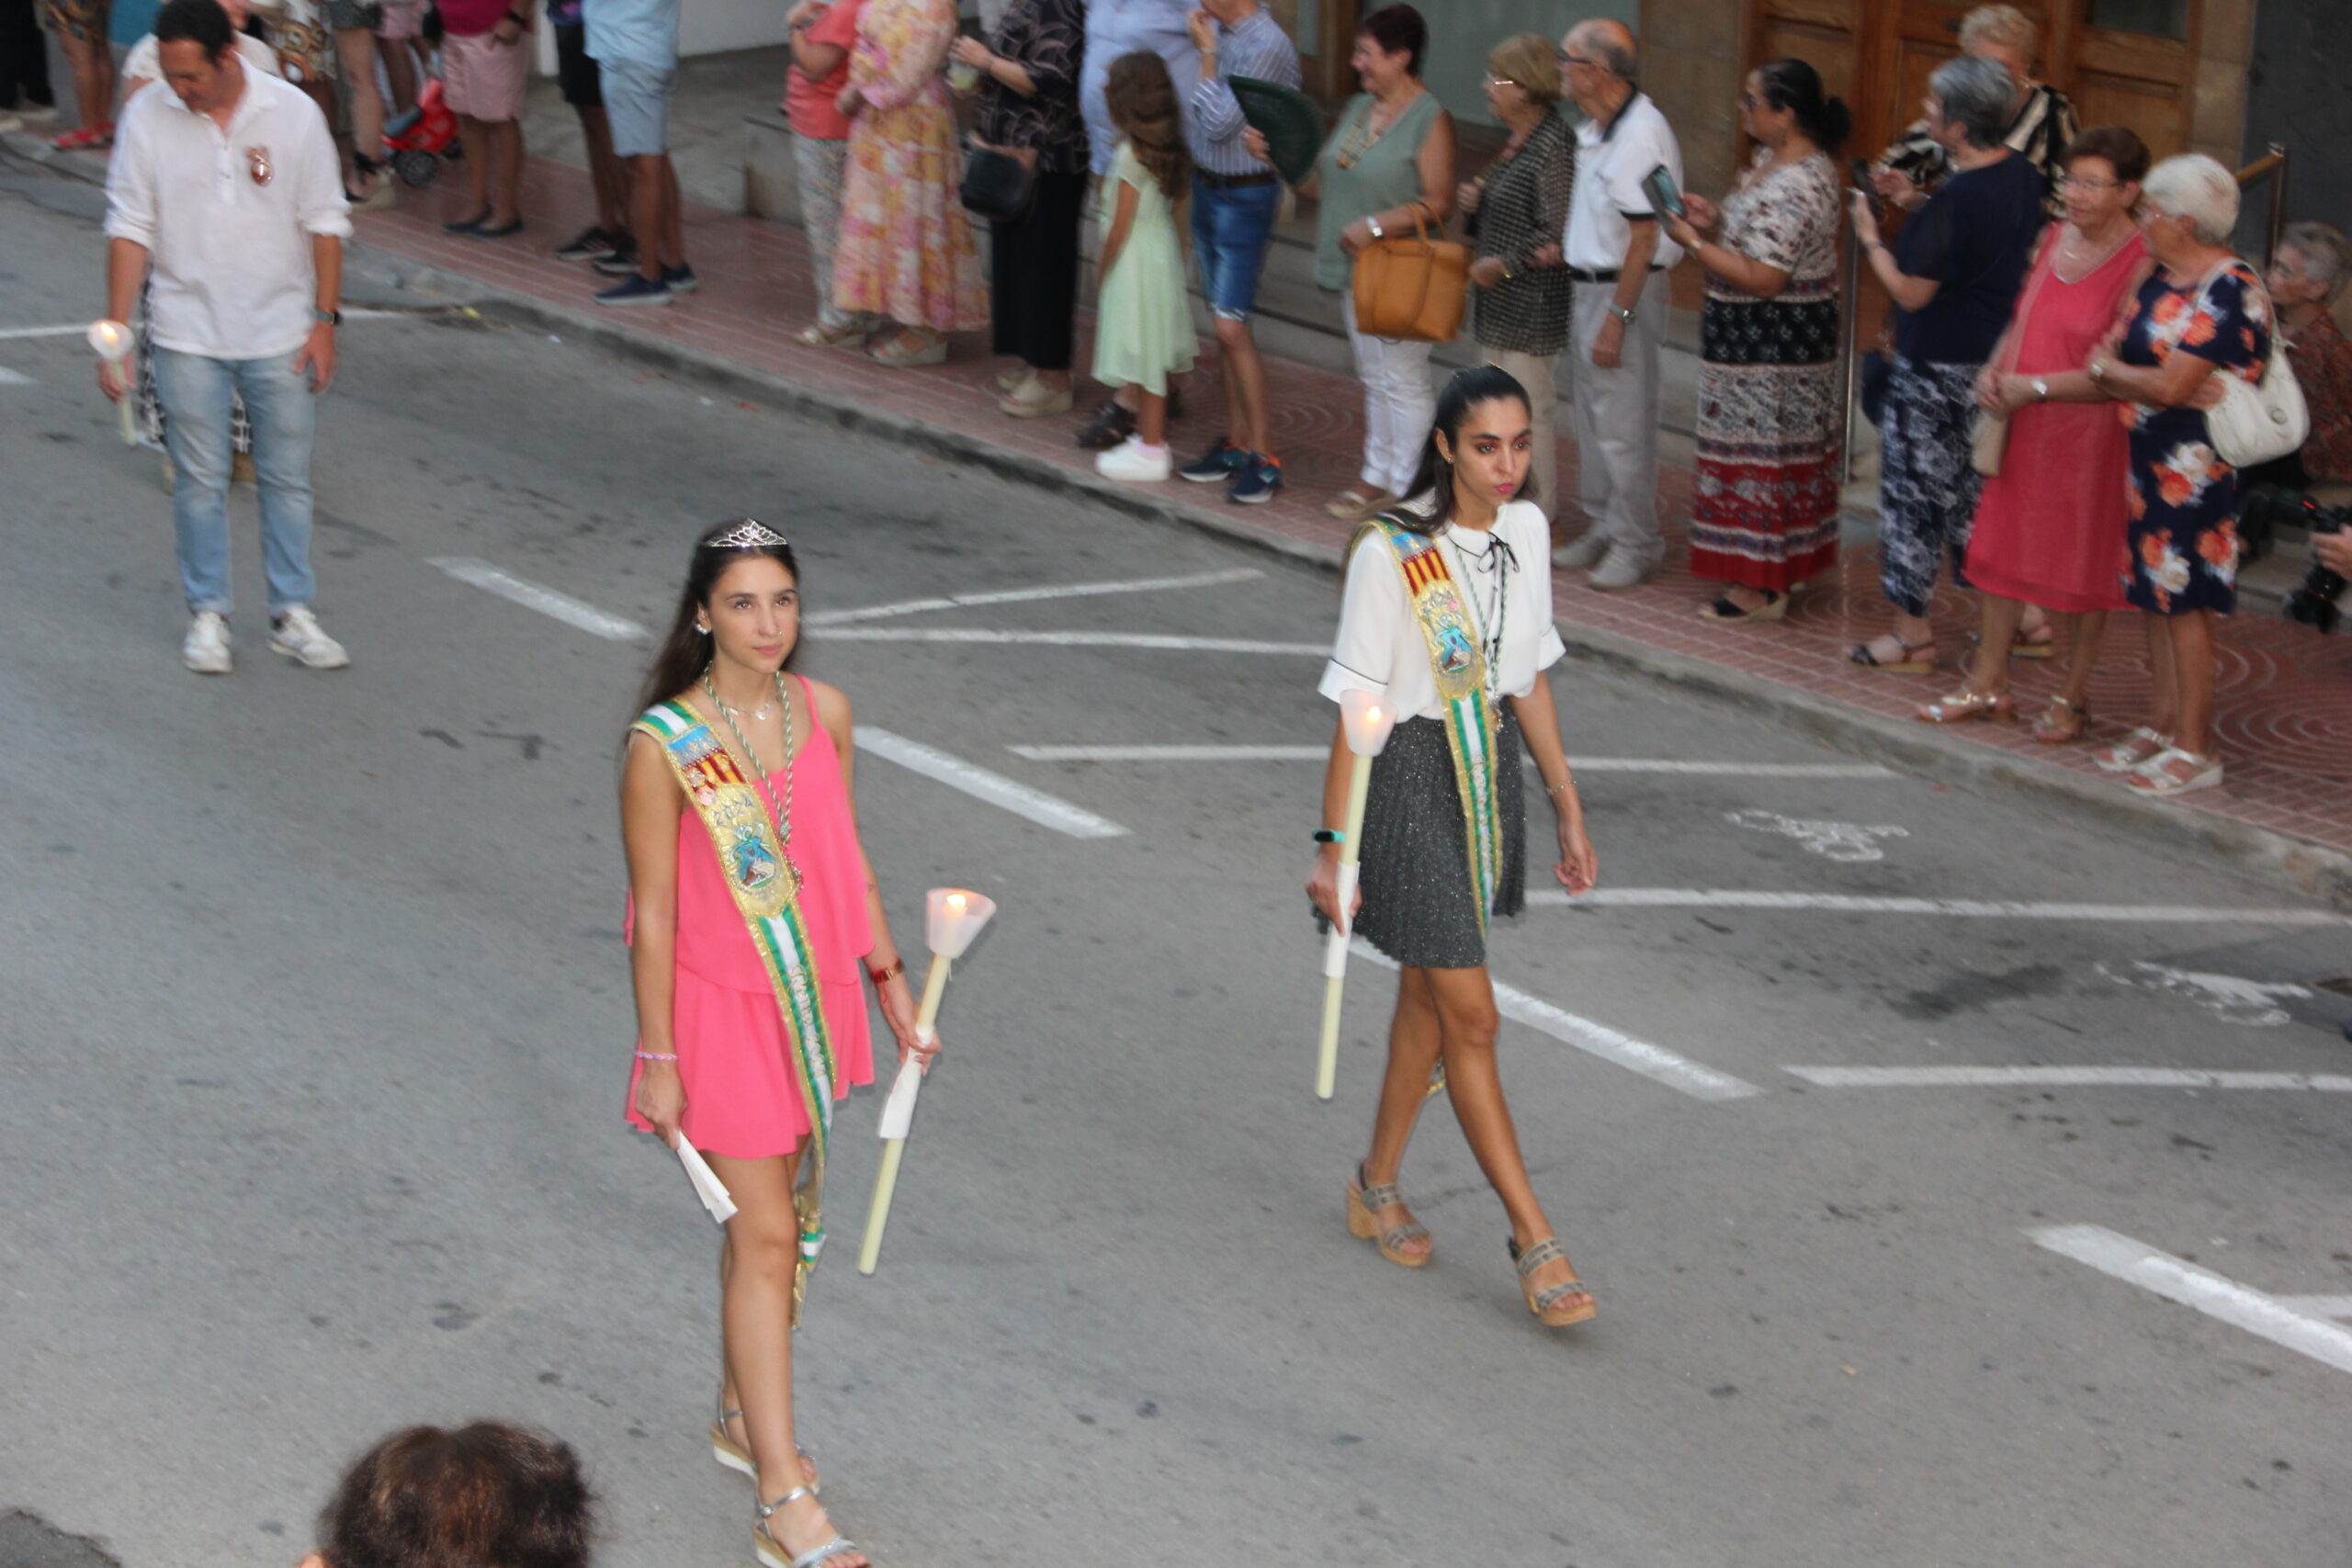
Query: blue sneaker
x=1216 y=464
x=636 y=290
x=680 y=279
x=1256 y=477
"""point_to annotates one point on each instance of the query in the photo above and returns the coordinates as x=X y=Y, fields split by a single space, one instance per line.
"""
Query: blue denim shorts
x=1231 y=228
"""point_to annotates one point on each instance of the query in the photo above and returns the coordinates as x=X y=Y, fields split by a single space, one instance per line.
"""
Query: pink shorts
x=402 y=18
x=484 y=78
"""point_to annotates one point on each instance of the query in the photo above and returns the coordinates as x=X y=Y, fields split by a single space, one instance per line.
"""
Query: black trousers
x=24 y=57
x=1033 y=281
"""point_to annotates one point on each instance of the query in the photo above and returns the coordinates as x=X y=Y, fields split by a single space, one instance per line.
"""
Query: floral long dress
x=906 y=249
x=2181 y=551
x=1764 y=504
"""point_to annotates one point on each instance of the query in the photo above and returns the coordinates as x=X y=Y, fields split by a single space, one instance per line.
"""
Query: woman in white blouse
x=1447 y=616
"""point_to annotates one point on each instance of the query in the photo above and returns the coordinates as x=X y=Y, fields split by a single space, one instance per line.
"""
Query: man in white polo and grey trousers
x=1618 y=257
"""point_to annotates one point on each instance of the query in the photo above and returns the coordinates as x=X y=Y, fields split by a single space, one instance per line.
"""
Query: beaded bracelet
x=654 y=1057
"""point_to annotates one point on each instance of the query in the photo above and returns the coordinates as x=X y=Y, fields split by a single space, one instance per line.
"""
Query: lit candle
x=952 y=921
x=1367 y=721
x=111 y=342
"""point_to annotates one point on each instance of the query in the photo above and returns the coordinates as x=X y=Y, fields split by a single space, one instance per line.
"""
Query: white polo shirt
x=1380 y=647
x=1610 y=163
x=232 y=276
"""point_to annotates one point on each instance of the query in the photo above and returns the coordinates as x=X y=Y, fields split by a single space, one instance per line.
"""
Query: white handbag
x=2256 y=422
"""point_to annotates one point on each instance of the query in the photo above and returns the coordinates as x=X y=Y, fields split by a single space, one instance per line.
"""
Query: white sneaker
x=1581 y=553
x=206 y=648
x=296 y=634
x=1133 y=461
x=1621 y=567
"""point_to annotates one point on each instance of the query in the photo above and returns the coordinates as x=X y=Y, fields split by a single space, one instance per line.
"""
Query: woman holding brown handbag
x=1386 y=171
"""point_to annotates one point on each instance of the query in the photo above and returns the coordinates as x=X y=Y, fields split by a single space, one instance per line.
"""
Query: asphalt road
x=317 y=1027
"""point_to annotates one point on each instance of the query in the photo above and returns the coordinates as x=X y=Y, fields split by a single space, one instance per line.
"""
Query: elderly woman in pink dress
x=905 y=251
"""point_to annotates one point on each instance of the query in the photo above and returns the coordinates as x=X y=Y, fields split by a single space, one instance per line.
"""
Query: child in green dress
x=1143 y=325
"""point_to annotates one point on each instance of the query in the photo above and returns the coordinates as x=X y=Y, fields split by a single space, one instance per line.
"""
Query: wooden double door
x=2129 y=63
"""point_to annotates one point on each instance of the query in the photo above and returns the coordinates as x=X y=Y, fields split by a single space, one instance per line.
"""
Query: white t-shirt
x=1611 y=166
x=1380 y=647
x=140 y=64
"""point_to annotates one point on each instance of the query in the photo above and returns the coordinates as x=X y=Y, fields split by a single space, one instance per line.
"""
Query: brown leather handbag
x=1413 y=286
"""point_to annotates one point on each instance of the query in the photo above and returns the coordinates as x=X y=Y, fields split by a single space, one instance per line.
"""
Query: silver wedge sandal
x=771 y=1552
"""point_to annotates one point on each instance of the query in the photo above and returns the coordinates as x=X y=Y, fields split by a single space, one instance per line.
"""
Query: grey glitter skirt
x=1417 y=904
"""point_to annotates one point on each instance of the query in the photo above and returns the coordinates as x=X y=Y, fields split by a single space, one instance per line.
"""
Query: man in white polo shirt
x=1617 y=257
x=226 y=183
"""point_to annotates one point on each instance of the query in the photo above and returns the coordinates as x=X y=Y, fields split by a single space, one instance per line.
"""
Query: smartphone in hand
x=1664 y=197
x=1862 y=186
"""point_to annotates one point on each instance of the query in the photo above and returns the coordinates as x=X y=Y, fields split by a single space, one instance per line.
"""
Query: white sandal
x=2135 y=751
x=2157 y=775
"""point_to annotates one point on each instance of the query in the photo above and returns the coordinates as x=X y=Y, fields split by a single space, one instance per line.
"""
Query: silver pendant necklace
x=780 y=810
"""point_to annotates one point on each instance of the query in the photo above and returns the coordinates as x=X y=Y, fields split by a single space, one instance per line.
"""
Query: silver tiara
x=749 y=534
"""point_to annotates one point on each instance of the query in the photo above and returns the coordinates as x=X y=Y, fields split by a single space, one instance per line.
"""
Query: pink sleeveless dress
x=734 y=1056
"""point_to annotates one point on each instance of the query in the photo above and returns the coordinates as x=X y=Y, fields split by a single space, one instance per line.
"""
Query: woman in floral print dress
x=906 y=249
x=2202 y=314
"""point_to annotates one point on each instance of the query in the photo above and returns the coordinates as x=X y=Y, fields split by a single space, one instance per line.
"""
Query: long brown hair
x=686 y=649
x=1142 y=103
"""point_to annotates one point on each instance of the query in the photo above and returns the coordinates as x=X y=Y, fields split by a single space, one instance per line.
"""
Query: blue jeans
x=1231 y=228
x=195 y=394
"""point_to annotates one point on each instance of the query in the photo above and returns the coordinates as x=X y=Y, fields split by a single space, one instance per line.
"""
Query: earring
x=701 y=630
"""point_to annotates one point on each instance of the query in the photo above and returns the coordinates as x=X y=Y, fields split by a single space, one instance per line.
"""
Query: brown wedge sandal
x=1545 y=1303
x=1365 y=1204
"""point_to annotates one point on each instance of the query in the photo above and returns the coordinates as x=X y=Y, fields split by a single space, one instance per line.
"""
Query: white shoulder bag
x=2256 y=422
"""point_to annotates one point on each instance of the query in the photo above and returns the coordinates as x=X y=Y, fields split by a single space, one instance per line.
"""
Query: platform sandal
x=1545 y=1303
x=773 y=1553
x=737 y=1458
x=2132 y=753
x=1364 y=1203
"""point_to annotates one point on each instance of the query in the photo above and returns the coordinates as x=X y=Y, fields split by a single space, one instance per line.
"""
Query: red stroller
x=420 y=139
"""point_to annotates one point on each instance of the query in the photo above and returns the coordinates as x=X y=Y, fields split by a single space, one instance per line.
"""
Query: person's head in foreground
x=484 y=1495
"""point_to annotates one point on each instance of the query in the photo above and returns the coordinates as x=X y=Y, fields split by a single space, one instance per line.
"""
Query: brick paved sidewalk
x=2285 y=697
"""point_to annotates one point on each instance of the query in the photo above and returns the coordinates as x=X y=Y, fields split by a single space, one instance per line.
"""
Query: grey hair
x=2194 y=186
x=1610 y=51
x=2325 y=253
x=1975 y=96
x=2003 y=24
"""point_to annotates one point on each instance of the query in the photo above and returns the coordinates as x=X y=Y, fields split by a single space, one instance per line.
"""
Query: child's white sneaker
x=1133 y=461
x=206 y=648
x=297 y=635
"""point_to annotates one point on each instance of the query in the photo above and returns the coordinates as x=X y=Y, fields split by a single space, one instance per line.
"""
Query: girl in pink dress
x=715 y=1061
x=2049 y=525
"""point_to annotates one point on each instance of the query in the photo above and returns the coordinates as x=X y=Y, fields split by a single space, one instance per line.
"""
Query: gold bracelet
x=882 y=977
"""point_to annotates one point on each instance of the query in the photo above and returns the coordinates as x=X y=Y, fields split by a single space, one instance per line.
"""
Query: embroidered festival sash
x=1460 y=672
x=736 y=817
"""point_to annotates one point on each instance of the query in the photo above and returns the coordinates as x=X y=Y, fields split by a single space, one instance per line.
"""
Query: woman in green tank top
x=1388 y=163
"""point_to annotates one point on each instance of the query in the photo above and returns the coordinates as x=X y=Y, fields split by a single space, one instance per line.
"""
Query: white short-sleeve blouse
x=1380 y=647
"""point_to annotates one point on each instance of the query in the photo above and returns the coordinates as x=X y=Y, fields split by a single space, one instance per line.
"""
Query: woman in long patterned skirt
x=1764 y=514
x=906 y=249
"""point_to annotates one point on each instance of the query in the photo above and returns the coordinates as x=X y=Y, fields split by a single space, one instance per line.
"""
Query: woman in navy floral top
x=2200 y=315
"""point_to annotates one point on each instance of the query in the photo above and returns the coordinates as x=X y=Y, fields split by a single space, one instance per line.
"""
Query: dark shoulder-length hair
x=485 y=1496
x=1468 y=387
x=685 y=649
x=1398 y=30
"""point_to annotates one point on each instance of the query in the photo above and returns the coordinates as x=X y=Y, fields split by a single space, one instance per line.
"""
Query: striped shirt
x=1254 y=46
x=2041 y=132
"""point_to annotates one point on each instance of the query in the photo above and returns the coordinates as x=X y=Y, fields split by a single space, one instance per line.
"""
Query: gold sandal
x=1964 y=704
x=1365 y=1204
x=2062 y=721
x=1545 y=1303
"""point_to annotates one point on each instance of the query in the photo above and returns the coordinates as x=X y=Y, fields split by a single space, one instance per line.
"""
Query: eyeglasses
x=1504 y=82
x=2083 y=182
x=1565 y=58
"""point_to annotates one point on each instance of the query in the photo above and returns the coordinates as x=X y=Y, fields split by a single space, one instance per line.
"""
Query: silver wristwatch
x=2040 y=390
x=1621 y=314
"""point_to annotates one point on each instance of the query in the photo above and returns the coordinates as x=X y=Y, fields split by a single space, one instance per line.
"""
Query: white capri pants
x=1399 y=405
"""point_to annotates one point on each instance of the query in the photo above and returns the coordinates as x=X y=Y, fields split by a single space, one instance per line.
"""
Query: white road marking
x=2067 y=1077
x=1833 y=840
x=2226 y=996
x=1693 y=1078
x=1022 y=595
x=1969 y=908
x=81 y=329
x=982 y=785
x=1075 y=640
x=1187 y=753
x=15 y=378
x=2317 y=1306
x=2214 y=1295
x=546 y=600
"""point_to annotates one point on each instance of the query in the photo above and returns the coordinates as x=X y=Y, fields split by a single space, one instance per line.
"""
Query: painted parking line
x=546 y=600
x=1024 y=596
x=16 y=378
x=1966 y=908
x=1075 y=639
x=2317 y=1306
x=1191 y=753
x=2213 y=1294
x=1656 y=1062
x=2067 y=1077
x=1011 y=794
